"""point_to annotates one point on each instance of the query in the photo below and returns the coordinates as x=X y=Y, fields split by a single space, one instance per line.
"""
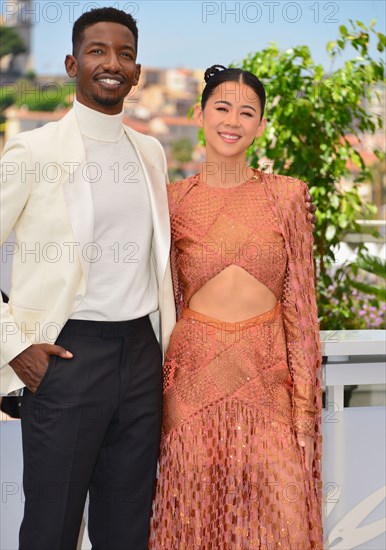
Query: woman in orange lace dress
x=240 y=453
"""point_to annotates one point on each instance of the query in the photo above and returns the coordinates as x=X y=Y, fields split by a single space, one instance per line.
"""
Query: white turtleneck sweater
x=122 y=283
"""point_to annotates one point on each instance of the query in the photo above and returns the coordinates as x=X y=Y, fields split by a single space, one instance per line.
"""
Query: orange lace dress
x=231 y=473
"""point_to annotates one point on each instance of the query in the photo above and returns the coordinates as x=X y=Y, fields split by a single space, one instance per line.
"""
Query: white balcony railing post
x=354 y=448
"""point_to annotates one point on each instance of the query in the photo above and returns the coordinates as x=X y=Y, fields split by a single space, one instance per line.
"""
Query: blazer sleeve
x=300 y=316
x=15 y=188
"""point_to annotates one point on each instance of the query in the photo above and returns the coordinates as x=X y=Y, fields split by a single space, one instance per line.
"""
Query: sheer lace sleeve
x=299 y=302
x=300 y=314
x=173 y=198
x=300 y=363
x=177 y=287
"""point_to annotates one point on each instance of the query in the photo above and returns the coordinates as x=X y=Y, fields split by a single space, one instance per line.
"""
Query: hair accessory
x=213 y=70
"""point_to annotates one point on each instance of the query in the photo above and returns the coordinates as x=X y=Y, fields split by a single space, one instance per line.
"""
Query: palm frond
x=372 y=264
x=378 y=292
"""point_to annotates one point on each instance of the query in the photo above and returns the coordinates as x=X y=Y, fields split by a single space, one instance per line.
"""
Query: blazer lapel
x=156 y=184
x=76 y=188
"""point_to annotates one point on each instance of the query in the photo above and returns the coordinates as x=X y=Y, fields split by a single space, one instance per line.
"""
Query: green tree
x=44 y=97
x=36 y=97
x=311 y=114
x=10 y=42
x=182 y=150
x=8 y=96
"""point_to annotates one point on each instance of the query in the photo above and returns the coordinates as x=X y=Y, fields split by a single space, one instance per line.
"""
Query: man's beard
x=97 y=96
x=106 y=100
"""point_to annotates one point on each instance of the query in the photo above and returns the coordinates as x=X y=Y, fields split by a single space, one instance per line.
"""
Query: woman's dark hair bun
x=214 y=69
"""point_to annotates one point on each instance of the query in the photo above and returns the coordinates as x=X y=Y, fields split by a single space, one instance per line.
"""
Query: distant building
x=167 y=129
x=150 y=76
x=22 y=120
x=166 y=91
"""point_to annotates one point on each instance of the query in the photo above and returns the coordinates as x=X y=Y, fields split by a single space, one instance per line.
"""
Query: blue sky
x=197 y=34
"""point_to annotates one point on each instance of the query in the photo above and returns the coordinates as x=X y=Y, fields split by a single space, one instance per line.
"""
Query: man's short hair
x=101 y=15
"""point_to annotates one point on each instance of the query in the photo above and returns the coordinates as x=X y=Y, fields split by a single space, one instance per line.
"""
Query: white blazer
x=48 y=203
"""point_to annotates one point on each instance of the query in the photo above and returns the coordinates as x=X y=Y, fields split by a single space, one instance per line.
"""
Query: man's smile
x=110 y=82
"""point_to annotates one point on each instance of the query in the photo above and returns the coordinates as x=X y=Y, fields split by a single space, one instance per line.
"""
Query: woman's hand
x=306 y=442
x=311 y=207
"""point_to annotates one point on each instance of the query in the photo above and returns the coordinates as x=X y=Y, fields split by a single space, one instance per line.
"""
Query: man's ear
x=137 y=74
x=197 y=115
x=71 y=65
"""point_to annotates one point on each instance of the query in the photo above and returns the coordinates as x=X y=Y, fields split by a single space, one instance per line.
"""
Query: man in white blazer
x=86 y=197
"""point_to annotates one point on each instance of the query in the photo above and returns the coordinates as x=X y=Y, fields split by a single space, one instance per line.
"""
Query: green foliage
x=310 y=114
x=30 y=75
x=176 y=173
x=33 y=96
x=8 y=95
x=7 y=98
x=371 y=264
x=376 y=267
x=10 y=42
x=182 y=150
x=350 y=307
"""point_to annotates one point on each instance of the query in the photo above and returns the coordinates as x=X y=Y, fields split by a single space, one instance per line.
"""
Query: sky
x=197 y=34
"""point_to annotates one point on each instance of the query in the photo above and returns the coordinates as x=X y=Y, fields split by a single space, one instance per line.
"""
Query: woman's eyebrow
x=230 y=105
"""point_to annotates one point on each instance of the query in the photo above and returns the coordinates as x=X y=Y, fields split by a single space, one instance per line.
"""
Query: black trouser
x=93 y=424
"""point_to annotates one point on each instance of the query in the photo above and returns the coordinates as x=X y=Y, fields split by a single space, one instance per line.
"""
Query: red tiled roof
x=137 y=125
x=52 y=116
x=47 y=116
x=368 y=157
x=177 y=120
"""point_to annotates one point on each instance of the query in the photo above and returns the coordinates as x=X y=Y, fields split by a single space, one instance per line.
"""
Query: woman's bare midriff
x=232 y=296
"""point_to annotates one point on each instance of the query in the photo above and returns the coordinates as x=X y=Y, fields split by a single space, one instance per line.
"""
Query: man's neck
x=98 y=126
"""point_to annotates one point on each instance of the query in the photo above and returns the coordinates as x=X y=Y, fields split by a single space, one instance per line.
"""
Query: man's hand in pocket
x=31 y=364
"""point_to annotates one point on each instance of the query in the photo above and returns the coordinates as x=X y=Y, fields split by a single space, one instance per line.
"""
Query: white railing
x=354 y=454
